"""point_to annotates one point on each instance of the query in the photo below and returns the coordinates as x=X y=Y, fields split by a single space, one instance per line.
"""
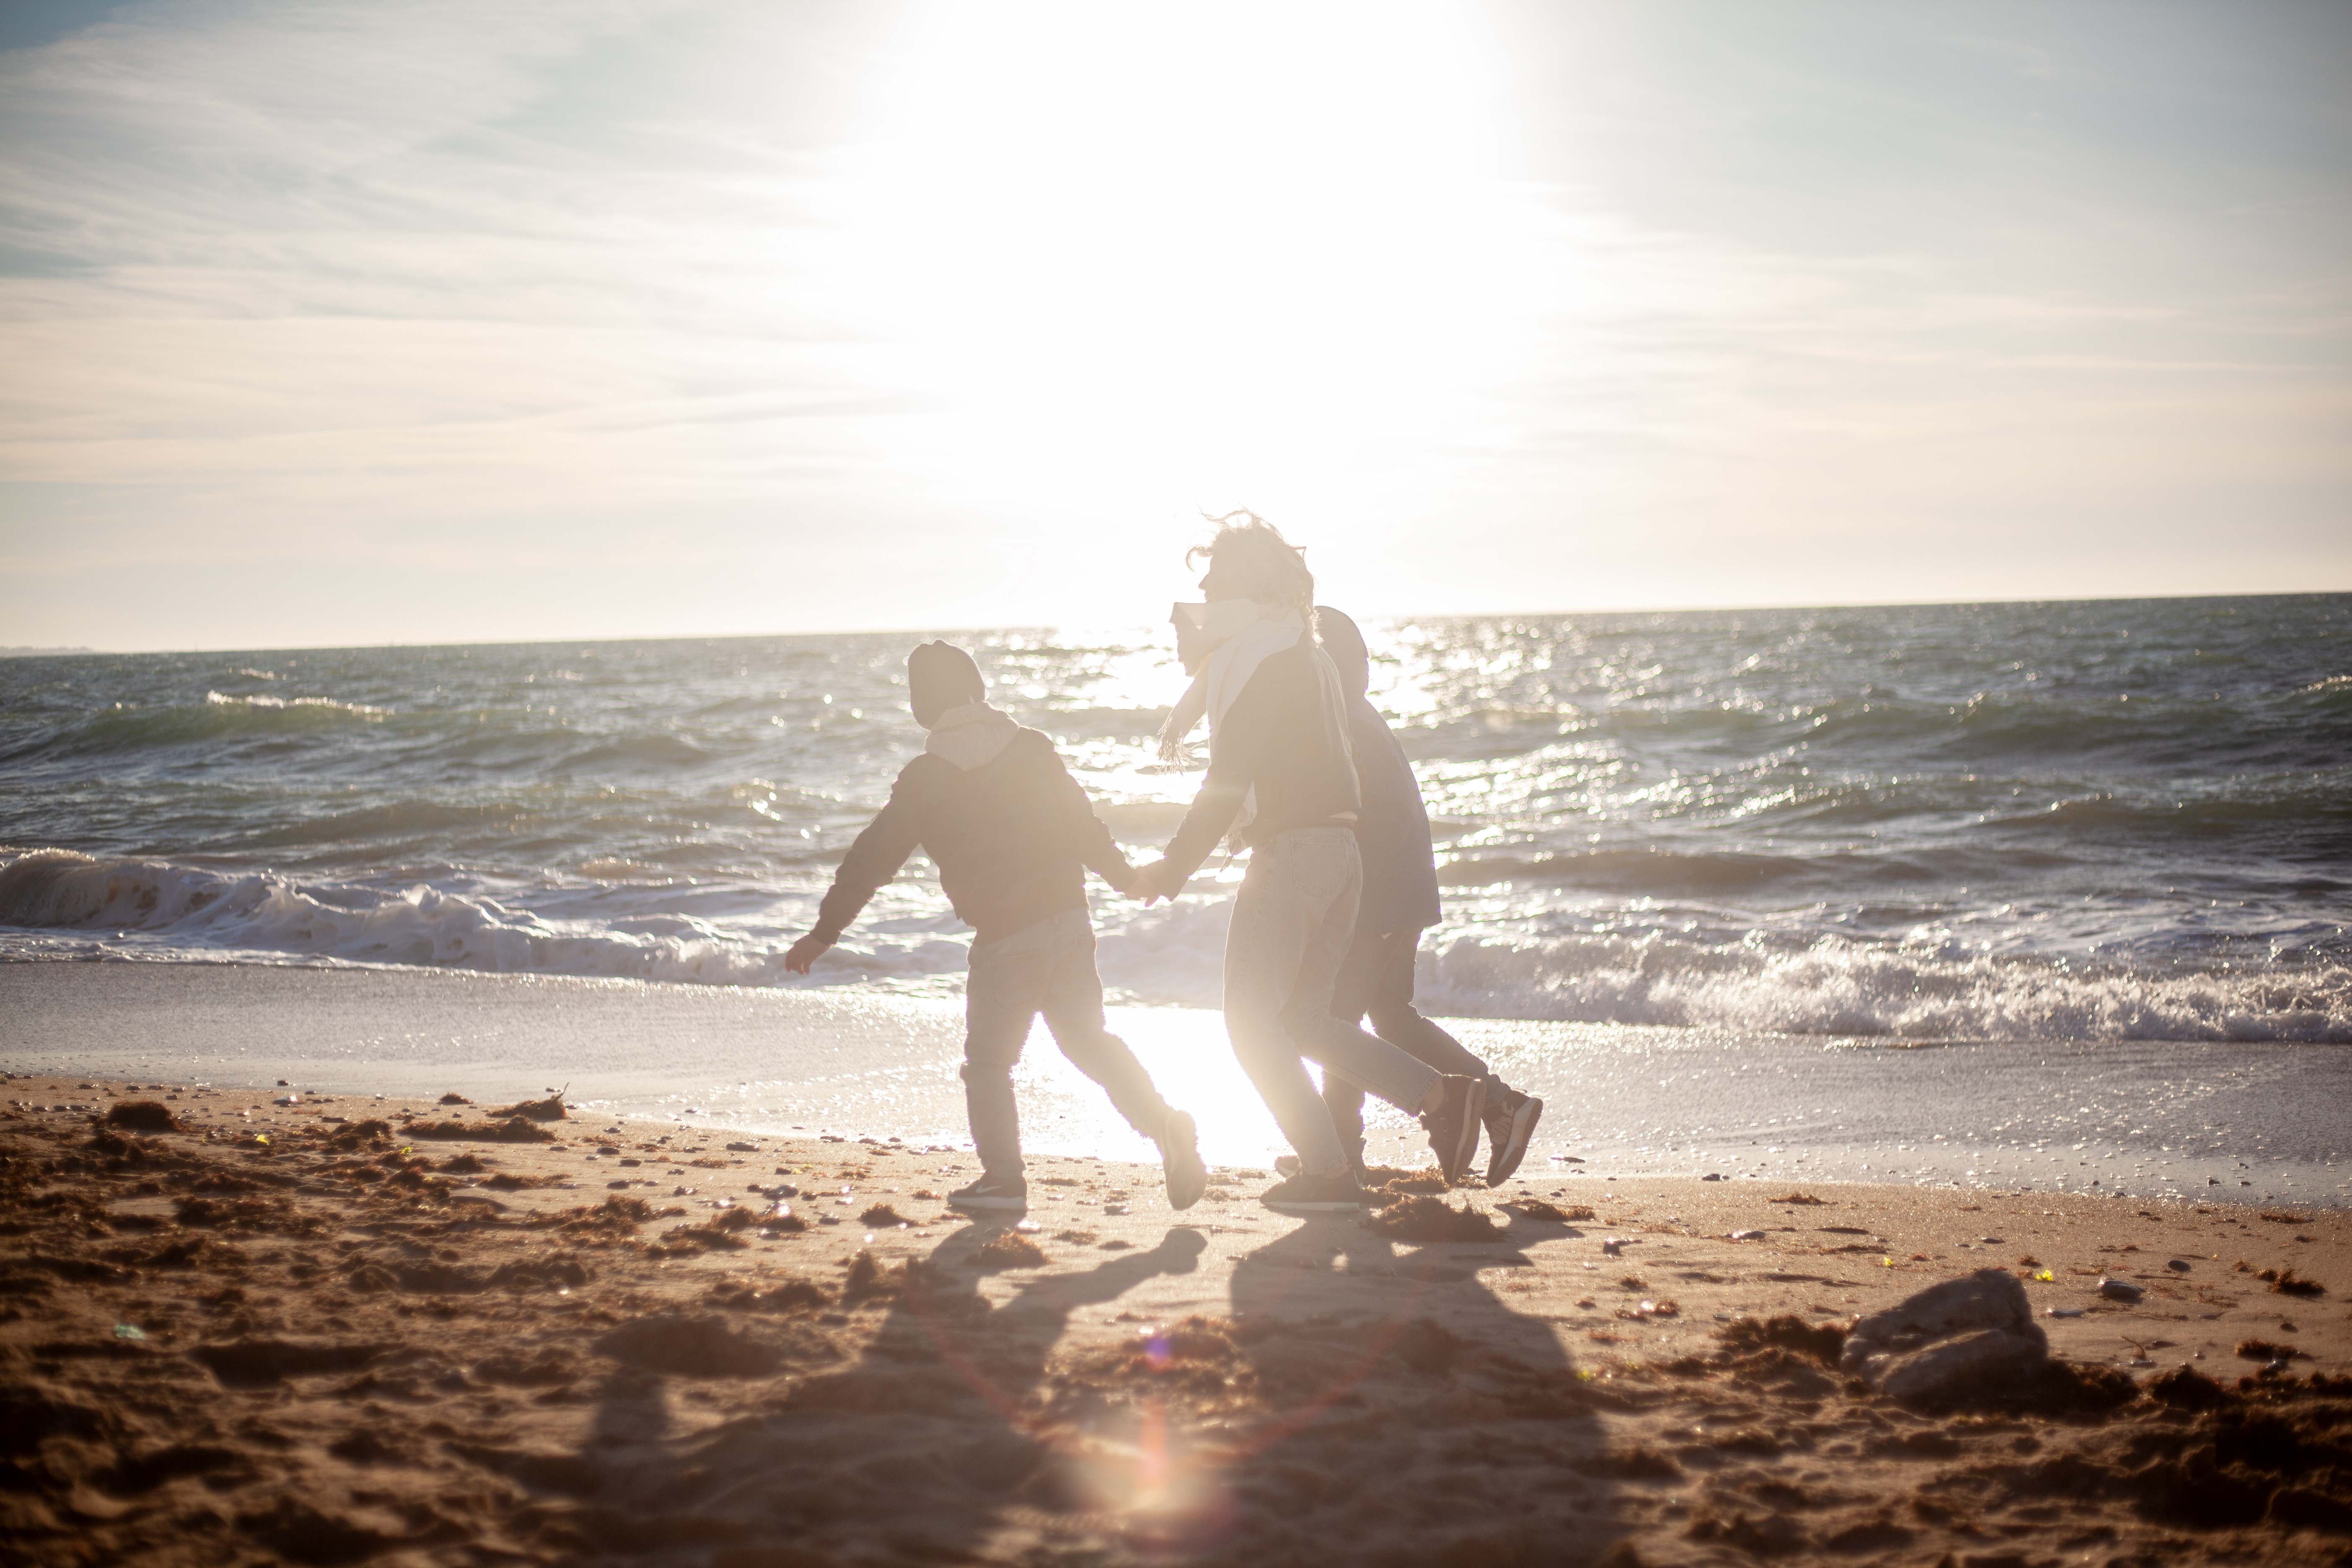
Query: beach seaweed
x=1009 y=1249
x=549 y=1110
x=144 y=1115
x=1422 y=1217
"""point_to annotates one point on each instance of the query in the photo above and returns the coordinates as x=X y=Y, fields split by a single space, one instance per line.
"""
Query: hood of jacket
x=971 y=736
x=1344 y=641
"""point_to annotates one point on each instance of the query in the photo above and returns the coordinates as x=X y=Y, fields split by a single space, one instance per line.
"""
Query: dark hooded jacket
x=1011 y=831
x=1392 y=826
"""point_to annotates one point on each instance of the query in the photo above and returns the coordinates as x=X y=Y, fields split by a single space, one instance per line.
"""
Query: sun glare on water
x=1126 y=252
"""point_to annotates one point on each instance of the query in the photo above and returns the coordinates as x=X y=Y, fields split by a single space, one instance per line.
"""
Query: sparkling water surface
x=2077 y=821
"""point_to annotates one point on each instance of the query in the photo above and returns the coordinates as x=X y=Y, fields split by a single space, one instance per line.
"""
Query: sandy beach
x=360 y=1328
x=631 y=632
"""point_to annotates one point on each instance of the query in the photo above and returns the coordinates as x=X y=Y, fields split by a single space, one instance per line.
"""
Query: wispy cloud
x=1718 y=303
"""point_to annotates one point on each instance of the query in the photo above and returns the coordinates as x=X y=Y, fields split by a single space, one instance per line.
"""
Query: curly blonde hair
x=1264 y=565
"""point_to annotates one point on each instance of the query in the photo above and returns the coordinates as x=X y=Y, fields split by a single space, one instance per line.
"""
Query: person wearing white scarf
x=1240 y=633
x=1281 y=777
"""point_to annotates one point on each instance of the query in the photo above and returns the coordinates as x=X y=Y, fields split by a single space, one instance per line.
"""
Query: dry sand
x=311 y=1333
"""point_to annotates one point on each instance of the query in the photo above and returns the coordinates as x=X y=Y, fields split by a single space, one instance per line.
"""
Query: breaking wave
x=1845 y=988
x=131 y=908
x=153 y=909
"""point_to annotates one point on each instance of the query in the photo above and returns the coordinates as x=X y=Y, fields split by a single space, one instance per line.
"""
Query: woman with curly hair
x=1282 y=781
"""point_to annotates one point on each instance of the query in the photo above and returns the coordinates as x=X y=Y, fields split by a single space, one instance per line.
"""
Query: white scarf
x=1244 y=634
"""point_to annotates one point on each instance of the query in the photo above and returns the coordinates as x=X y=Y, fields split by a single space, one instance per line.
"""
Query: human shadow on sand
x=917 y=1446
x=1363 y=1401
x=1408 y=1412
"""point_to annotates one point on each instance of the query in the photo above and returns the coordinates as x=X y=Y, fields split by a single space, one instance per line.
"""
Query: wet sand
x=315 y=1333
x=2256 y=1123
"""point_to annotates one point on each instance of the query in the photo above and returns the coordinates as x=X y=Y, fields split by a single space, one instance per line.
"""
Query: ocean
x=2114 y=820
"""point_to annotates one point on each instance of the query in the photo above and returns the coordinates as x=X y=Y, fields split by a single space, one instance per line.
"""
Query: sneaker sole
x=1473 y=1121
x=1506 y=1159
x=1187 y=1178
x=988 y=1206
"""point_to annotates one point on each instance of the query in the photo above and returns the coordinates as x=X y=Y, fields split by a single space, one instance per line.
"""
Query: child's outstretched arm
x=895 y=833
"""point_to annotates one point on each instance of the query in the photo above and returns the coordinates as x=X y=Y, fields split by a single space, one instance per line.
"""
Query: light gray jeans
x=1045 y=968
x=1293 y=921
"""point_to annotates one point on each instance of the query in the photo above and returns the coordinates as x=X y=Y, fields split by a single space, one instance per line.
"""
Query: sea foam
x=1173 y=954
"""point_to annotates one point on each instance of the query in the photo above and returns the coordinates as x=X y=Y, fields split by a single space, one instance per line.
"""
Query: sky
x=341 y=322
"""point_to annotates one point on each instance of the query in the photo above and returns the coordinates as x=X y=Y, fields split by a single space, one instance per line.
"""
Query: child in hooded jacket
x=1013 y=835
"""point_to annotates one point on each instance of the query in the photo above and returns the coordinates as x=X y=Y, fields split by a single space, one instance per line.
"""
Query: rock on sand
x=1970 y=1333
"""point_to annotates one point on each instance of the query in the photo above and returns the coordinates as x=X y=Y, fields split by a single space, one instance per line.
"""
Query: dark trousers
x=1375 y=985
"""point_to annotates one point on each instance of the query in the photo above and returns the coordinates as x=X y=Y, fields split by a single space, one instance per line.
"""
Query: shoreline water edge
x=2179 y=1120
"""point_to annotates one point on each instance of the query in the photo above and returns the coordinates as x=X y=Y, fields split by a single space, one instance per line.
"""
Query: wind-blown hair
x=1262 y=563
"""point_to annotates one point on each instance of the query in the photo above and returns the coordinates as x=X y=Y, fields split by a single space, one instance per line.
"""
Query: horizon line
x=36 y=651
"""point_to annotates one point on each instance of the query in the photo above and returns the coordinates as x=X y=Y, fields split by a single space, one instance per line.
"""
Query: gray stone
x=1983 y=1361
x=2120 y=1290
x=1964 y=1336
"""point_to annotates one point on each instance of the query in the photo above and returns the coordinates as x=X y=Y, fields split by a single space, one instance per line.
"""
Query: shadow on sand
x=1362 y=1402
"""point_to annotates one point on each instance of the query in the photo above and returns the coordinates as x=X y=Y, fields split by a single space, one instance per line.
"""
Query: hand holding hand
x=804 y=953
x=1154 y=883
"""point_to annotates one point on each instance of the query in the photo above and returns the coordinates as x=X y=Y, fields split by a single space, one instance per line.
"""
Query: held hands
x=804 y=953
x=1154 y=883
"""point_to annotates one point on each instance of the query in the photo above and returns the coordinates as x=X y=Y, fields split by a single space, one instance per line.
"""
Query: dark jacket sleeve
x=895 y=832
x=1097 y=850
x=1236 y=754
x=1399 y=872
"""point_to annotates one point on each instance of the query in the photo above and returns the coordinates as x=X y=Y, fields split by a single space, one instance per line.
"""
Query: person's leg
x=1280 y=907
x=1510 y=1116
x=1449 y=1106
x=1331 y=858
x=1073 y=1006
x=1074 y=1010
x=1001 y=994
x=1389 y=1004
x=1351 y=993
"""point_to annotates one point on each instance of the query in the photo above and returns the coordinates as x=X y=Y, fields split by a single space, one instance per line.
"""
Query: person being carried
x=1280 y=775
x=1013 y=835
x=1398 y=903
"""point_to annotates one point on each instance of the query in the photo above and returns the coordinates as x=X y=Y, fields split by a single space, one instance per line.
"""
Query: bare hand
x=804 y=953
x=1154 y=883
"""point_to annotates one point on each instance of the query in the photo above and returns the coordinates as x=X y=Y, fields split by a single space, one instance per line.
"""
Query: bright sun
x=1125 y=252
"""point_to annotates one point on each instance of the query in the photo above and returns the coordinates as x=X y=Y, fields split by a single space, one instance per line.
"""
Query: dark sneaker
x=1510 y=1119
x=991 y=1194
x=1310 y=1194
x=1180 y=1155
x=1453 y=1127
